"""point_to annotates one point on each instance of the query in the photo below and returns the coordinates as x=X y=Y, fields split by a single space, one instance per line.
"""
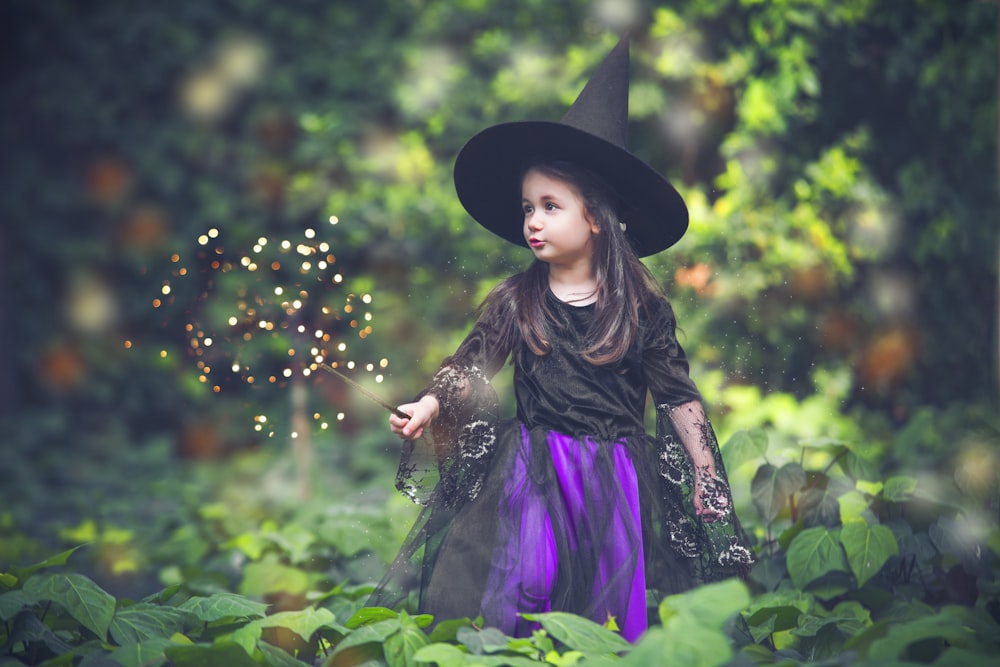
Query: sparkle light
x=288 y=318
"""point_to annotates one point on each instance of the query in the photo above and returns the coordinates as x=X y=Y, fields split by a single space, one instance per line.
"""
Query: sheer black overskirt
x=460 y=471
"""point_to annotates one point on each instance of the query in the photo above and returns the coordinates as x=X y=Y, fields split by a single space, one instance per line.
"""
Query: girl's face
x=556 y=224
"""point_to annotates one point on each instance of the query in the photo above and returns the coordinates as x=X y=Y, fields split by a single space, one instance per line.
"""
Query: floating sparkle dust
x=282 y=313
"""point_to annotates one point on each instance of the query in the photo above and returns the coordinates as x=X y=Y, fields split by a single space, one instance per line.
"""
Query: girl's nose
x=534 y=223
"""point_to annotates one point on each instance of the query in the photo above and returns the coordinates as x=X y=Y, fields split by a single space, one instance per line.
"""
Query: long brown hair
x=624 y=284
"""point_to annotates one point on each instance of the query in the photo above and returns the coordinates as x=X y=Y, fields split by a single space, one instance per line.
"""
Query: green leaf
x=813 y=553
x=446 y=655
x=711 y=605
x=567 y=659
x=853 y=505
x=899 y=488
x=221 y=654
x=685 y=643
x=245 y=636
x=143 y=621
x=269 y=576
x=28 y=628
x=148 y=653
x=860 y=467
x=580 y=633
x=447 y=631
x=400 y=646
x=960 y=657
x=868 y=548
x=954 y=626
x=55 y=561
x=295 y=541
x=374 y=633
x=744 y=446
x=769 y=620
x=367 y=615
x=487 y=640
x=303 y=623
x=772 y=487
x=223 y=605
x=12 y=602
x=443 y=655
x=88 y=603
x=277 y=657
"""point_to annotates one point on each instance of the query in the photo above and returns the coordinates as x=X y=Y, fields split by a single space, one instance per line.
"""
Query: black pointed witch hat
x=593 y=133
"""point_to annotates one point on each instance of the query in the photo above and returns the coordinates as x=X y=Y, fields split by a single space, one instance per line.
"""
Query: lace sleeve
x=451 y=460
x=690 y=460
x=690 y=463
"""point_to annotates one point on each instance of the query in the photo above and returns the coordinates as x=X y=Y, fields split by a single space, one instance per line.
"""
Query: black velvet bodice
x=563 y=392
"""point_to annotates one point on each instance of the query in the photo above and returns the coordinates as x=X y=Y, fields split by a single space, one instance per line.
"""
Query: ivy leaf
x=899 y=488
x=143 y=621
x=744 y=446
x=373 y=633
x=711 y=605
x=88 y=603
x=813 y=553
x=859 y=467
x=277 y=657
x=580 y=633
x=269 y=576
x=442 y=655
x=28 y=628
x=223 y=605
x=487 y=640
x=149 y=653
x=304 y=622
x=55 y=561
x=685 y=642
x=771 y=488
x=447 y=631
x=215 y=655
x=954 y=626
x=367 y=615
x=12 y=602
x=401 y=646
x=868 y=547
x=853 y=507
x=821 y=505
x=773 y=612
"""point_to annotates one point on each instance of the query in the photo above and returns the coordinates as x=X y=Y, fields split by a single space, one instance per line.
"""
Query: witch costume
x=571 y=505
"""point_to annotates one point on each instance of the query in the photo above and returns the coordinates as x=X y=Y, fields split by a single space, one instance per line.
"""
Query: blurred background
x=201 y=200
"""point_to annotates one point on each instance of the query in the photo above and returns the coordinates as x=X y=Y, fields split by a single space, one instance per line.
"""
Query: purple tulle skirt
x=559 y=523
x=592 y=521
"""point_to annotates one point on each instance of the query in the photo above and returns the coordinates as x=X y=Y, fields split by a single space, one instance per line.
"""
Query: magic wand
x=368 y=394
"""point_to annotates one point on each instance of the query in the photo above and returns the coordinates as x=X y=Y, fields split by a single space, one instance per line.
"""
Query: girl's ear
x=594 y=227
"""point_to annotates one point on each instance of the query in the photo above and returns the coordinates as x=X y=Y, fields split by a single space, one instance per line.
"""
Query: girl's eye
x=527 y=209
x=550 y=207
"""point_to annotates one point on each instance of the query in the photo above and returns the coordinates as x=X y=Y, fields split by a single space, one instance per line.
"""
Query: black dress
x=570 y=506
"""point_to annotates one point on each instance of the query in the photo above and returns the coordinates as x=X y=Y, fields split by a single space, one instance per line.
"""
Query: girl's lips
x=535 y=243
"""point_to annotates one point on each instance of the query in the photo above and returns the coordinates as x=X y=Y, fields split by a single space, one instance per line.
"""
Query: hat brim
x=489 y=167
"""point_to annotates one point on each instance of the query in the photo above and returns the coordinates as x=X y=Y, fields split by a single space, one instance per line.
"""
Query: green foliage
x=880 y=577
x=839 y=162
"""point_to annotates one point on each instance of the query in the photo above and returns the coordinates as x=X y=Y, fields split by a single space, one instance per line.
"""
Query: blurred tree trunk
x=302 y=449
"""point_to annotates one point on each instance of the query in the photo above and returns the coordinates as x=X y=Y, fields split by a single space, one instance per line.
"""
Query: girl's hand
x=422 y=413
x=710 y=498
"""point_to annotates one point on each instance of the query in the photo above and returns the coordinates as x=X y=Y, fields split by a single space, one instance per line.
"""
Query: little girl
x=570 y=506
